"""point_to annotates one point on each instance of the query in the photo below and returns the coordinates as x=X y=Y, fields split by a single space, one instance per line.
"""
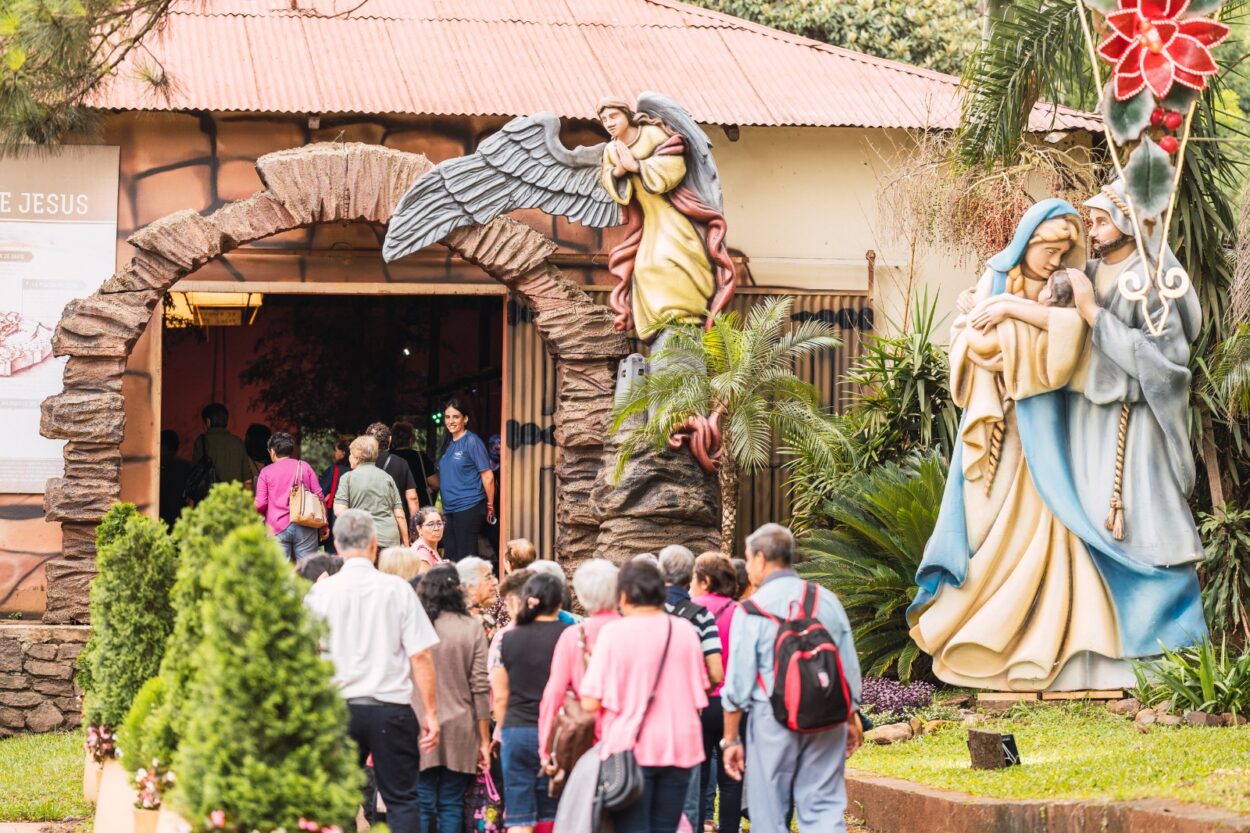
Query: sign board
x=58 y=242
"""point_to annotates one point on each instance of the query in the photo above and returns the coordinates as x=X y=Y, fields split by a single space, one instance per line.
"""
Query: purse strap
x=655 y=688
x=581 y=645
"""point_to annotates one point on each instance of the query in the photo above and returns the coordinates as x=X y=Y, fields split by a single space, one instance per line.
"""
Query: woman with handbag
x=517 y=688
x=648 y=676
x=565 y=730
x=288 y=495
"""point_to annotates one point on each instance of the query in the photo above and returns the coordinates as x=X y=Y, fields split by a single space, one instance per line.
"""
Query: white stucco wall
x=801 y=203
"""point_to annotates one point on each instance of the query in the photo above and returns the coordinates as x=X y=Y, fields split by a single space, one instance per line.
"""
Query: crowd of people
x=488 y=694
x=456 y=681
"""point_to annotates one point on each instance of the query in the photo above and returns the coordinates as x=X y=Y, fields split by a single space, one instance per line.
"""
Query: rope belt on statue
x=996 y=447
x=1115 y=518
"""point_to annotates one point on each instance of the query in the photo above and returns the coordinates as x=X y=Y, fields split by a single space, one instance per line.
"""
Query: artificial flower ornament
x=1157 y=44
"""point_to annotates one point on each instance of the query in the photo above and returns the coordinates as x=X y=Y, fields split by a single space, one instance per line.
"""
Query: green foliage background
x=935 y=34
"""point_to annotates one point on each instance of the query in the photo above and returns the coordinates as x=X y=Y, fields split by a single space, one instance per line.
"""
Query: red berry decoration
x=1169 y=144
x=1156 y=117
x=1173 y=120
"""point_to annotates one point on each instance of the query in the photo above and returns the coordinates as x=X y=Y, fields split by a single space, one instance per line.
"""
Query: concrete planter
x=146 y=821
x=91 y=774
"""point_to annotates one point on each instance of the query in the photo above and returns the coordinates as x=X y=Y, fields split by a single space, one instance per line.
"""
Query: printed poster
x=58 y=242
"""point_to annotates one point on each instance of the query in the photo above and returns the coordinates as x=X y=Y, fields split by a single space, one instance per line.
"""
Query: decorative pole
x=1160 y=53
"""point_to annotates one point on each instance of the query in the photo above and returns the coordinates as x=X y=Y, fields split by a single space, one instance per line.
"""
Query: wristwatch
x=726 y=744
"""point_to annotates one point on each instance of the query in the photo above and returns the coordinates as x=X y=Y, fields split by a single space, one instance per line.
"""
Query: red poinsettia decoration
x=1153 y=45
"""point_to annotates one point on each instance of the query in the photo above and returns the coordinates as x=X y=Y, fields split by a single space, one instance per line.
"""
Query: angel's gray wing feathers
x=702 y=177
x=524 y=165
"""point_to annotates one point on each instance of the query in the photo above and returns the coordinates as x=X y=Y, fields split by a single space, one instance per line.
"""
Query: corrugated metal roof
x=515 y=57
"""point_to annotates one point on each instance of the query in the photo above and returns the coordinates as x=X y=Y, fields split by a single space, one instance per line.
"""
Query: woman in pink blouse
x=595 y=585
x=273 y=498
x=428 y=523
x=650 y=699
x=714 y=585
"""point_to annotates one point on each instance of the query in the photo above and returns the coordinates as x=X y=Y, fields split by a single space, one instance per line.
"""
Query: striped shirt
x=678 y=603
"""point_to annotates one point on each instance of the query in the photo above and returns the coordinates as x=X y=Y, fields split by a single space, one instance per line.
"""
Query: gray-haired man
x=805 y=772
x=379 y=641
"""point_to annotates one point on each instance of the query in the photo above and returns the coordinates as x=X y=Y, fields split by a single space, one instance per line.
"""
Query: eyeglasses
x=433 y=524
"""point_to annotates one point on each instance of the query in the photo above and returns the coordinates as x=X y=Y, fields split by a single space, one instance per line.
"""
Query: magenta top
x=723 y=609
x=273 y=490
x=621 y=675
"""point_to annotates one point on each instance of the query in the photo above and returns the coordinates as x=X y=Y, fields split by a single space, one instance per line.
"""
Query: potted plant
x=100 y=746
x=150 y=783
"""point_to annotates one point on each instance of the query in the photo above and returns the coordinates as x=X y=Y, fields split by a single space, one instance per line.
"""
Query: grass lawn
x=1080 y=750
x=41 y=777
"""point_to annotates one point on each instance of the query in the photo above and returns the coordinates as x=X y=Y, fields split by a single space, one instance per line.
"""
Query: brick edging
x=892 y=805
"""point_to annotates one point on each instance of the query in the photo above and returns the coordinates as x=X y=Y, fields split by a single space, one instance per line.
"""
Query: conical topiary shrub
x=109 y=528
x=131 y=614
x=227 y=507
x=266 y=741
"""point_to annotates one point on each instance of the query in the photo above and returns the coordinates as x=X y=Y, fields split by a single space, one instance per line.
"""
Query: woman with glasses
x=466 y=481
x=429 y=524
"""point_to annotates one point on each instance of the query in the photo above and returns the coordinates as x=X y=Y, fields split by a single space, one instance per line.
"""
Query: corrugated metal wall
x=530 y=409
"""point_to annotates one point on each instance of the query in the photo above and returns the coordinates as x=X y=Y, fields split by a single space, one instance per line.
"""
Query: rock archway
x=320 y=183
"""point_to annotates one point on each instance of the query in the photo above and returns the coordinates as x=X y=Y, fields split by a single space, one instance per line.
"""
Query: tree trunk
x=1215 y=478
x=728 y=476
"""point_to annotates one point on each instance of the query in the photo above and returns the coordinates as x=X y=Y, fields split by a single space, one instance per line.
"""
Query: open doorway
x=318 y=366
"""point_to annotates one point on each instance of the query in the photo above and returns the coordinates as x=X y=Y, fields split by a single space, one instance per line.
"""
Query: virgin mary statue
x=1018 y=589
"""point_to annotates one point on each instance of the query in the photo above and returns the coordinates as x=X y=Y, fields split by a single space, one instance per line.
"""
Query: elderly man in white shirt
x=379 y=641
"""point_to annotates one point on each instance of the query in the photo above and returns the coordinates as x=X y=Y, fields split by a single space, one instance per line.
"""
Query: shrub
x=143 y=738
x=878 y=530
x=884 y=694
x=1226 y=571
x=1198 y=678
x=131 y=614
x=227 y=507
x=110 y=527
x=266 y=736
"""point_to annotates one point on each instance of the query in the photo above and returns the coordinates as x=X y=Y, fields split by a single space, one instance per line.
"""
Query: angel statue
x=656 y=176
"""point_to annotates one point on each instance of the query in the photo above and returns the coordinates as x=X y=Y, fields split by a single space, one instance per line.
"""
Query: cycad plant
x=739 y=376
x=1226 y=571
x=878 y=529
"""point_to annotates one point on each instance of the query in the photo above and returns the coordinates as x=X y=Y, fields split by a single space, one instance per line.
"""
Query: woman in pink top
x=273 y=498
x=429 y=526
x=650 y=699
x=714 y=585
x=595 y=585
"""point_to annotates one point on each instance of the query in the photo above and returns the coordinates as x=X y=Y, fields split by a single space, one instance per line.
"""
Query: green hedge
x=266 y=734
x=131 y=614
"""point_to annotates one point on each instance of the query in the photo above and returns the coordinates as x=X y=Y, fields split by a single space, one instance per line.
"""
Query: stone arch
x=318 y=183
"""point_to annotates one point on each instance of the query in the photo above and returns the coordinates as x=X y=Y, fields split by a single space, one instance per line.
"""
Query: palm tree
x=735 y=378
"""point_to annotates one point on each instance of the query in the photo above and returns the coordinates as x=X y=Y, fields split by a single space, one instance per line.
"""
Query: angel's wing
x=701 y=174
x=522 y=166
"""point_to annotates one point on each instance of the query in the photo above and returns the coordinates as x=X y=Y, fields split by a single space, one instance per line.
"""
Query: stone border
x=892 y=805
x=318 y=183
x=37 y=688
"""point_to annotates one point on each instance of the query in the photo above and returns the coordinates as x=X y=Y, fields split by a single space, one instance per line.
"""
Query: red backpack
x=810 y=693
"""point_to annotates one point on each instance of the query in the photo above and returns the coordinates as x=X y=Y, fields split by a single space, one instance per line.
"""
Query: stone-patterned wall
x=37 y=689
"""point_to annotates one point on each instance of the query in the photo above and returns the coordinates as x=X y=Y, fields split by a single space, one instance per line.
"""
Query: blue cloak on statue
x=1154 y=605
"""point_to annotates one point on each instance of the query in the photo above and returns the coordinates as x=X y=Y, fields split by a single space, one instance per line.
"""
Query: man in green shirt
x=227 y=451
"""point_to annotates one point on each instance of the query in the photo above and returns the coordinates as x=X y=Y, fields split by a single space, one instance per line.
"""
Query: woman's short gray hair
x=364 y=448
x=677 y=565
x=353 y=530
x=551 y=568
x=472 y=570
x=595 y=585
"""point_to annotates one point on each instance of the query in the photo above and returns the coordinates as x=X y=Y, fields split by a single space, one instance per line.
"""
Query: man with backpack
x=792 y=665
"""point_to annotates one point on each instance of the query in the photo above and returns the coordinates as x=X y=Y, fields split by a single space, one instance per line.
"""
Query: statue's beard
x=1104 y=249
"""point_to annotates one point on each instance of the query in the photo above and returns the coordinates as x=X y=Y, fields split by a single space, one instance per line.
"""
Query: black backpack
x=201 y=476
x=810 y=693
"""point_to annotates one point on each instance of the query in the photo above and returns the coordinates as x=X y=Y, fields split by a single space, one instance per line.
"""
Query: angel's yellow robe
x=1033 y=598
x=672 y=274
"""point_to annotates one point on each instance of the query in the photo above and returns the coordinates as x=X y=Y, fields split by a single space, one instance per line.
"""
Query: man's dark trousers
x=390 y=733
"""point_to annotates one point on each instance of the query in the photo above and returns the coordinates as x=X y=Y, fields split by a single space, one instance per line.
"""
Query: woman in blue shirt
x=466 y=482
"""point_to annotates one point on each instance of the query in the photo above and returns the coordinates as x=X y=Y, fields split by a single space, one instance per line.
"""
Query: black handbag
x=620 y=777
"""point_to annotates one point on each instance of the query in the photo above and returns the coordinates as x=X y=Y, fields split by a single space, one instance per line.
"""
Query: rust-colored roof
x=515 y=57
